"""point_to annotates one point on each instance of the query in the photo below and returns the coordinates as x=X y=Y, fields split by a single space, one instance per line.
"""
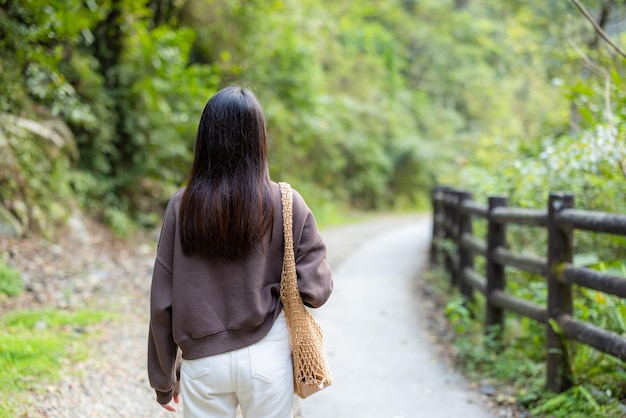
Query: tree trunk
x=461 y=4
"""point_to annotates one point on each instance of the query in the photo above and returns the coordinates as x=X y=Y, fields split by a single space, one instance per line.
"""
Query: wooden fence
x=454 y=211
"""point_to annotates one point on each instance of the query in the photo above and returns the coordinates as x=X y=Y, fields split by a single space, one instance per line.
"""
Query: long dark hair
x=227 y=205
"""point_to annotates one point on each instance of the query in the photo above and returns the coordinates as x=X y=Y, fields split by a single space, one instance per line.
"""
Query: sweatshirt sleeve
x=314 y=275
x=163 y=353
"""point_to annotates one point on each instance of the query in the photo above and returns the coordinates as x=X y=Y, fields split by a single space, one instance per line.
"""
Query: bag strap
x=289 y=292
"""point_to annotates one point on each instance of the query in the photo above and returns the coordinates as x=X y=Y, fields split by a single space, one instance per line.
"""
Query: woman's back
x=215 y=293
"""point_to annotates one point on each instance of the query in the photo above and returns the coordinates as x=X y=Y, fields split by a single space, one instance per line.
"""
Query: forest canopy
x=368 y=103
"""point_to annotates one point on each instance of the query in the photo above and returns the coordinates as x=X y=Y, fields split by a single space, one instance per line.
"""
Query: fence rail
x=454 y=213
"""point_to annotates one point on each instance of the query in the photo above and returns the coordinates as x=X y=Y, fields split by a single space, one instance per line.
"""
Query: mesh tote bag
x=310 y=367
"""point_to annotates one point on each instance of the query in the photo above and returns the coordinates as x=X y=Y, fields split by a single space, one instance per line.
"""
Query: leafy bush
x=517 y=366
x=11 y=283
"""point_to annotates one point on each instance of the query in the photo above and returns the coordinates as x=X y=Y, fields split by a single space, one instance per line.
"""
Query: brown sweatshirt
x=211 y=307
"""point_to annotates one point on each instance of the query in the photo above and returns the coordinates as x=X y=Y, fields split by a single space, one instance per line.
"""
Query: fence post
x=466 y=257
x=437 y=217
x=560 y=252
x=455 y=217
x=496 y=280
x=448 y=233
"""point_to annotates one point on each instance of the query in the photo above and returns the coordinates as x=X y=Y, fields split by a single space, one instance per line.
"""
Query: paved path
x=379 y=351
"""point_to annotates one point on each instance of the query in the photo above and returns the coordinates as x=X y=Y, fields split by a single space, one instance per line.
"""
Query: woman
x=216 y=280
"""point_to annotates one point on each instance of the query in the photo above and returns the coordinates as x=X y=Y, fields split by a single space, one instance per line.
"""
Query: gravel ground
x=92 y=269
x=87 y=267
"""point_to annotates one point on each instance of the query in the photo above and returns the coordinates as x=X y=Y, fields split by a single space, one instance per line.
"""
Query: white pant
x=259 y=378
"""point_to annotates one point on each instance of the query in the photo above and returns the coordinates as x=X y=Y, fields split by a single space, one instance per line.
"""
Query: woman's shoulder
x=178 y=195
x=174 y=203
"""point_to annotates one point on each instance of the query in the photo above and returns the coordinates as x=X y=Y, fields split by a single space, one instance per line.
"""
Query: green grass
x=36 y=345
x=330 y=211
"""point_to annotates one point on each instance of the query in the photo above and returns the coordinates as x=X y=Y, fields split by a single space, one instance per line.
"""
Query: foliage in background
x=129 y=80
x=35 y=346
x=581 y=145
x=367 y=103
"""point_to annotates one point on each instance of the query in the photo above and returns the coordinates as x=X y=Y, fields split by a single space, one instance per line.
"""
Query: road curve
x=383 y=363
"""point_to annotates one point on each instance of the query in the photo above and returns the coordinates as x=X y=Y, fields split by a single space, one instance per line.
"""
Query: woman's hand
x=169 y=405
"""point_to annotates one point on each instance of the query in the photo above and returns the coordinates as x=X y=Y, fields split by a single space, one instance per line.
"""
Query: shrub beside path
x=376 y=373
